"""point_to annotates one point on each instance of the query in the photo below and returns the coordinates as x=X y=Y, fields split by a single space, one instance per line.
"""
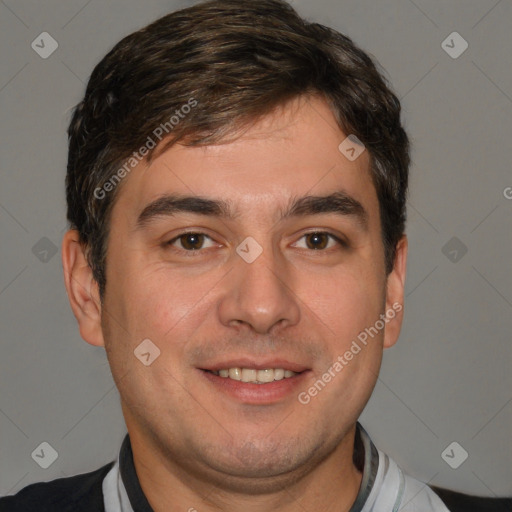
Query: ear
x=82 y=289
x=395 y=294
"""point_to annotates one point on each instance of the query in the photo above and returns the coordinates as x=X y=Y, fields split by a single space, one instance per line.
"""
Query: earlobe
x=395 y=294
x=82 y=289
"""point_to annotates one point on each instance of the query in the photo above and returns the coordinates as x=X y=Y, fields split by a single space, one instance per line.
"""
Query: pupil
x=191 y=240
x=315 y=237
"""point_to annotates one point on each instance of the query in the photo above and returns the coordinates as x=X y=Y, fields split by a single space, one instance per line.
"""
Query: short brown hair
x=238 y=60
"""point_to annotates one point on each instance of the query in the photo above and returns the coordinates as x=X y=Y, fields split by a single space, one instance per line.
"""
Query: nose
x=259 y=294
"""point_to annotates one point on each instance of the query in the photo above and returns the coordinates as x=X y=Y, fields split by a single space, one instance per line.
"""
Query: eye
x=319 y=240
x=190 y=241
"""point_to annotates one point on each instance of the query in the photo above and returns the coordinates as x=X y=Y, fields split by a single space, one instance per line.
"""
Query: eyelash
x=196 y=252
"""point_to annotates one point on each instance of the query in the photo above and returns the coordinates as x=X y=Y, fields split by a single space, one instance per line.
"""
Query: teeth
x=278 y=374
x=249 y=375
x=235 y=373
x=255 y=376
x=265 y=375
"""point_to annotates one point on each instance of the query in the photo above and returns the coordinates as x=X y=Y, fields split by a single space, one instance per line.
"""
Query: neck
x=330 y=485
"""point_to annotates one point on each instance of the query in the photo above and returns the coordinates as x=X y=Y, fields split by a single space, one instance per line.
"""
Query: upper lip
x=244 y=362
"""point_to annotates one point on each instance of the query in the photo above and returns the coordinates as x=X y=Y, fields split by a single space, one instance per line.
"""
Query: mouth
x=254 y=376
x=253 y=383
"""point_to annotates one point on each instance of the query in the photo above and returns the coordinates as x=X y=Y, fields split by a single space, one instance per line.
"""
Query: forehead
x=292 y=152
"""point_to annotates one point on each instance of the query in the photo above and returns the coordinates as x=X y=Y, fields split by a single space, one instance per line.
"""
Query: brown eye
x=319 y=240
x=189 y=241
x=192 y=241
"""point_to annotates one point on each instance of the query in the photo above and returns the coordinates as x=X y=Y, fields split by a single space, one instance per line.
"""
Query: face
x=258 y=284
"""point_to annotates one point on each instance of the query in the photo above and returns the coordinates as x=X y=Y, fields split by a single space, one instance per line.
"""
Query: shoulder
x=459 y=502
x=72 y=494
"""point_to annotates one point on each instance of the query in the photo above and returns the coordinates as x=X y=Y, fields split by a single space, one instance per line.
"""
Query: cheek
x=348 y=303
x=152 y=304
x=345 y=301
x=167 y=306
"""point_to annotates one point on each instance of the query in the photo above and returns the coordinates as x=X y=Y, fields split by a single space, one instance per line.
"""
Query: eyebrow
x=338 y=203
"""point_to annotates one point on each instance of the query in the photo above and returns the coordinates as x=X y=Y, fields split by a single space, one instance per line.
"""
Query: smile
x=255 y=376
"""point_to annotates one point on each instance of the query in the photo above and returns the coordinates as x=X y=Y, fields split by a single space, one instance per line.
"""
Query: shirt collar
x=130 y=480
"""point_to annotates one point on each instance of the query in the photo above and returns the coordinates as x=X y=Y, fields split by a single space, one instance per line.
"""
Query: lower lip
x=250 y=393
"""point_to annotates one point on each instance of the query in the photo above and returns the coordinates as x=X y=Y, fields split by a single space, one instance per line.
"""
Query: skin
x=193 y=446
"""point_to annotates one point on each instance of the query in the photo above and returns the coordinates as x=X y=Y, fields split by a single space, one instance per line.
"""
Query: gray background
x=448 y=378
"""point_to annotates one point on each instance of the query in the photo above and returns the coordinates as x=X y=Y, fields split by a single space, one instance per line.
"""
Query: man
x=236 y=192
